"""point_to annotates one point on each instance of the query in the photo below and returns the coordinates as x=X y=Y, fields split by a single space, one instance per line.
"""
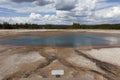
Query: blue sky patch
x=60 y=11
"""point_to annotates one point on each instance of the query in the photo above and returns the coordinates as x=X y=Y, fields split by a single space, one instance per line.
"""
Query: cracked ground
x=18 y=62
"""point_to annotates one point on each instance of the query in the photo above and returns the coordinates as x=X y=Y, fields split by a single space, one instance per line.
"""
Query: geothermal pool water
x=70 y=40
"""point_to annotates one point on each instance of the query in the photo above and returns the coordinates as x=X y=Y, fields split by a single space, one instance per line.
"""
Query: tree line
x=6 y=25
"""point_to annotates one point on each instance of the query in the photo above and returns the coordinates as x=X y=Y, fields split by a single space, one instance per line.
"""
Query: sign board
x=57 y=72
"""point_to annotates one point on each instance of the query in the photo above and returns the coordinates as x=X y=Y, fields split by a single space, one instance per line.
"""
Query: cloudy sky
x=60 y=11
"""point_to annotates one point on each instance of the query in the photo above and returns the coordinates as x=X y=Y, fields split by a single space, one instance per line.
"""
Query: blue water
x=70 y=40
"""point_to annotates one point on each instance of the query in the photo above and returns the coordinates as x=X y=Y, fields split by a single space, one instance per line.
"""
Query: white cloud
x=67 y=11
x=112 y=12
x=35 y=16
x=26 y=7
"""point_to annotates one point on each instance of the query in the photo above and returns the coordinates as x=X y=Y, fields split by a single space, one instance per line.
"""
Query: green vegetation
x=6 y=25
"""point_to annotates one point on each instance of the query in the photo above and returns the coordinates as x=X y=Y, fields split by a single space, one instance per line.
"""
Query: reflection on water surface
x=70 y=40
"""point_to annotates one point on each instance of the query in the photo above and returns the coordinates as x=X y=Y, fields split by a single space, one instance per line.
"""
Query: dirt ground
x=18 y=62
x=84 y=63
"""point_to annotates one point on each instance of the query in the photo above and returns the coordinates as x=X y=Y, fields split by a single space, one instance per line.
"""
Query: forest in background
x=6 y=25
